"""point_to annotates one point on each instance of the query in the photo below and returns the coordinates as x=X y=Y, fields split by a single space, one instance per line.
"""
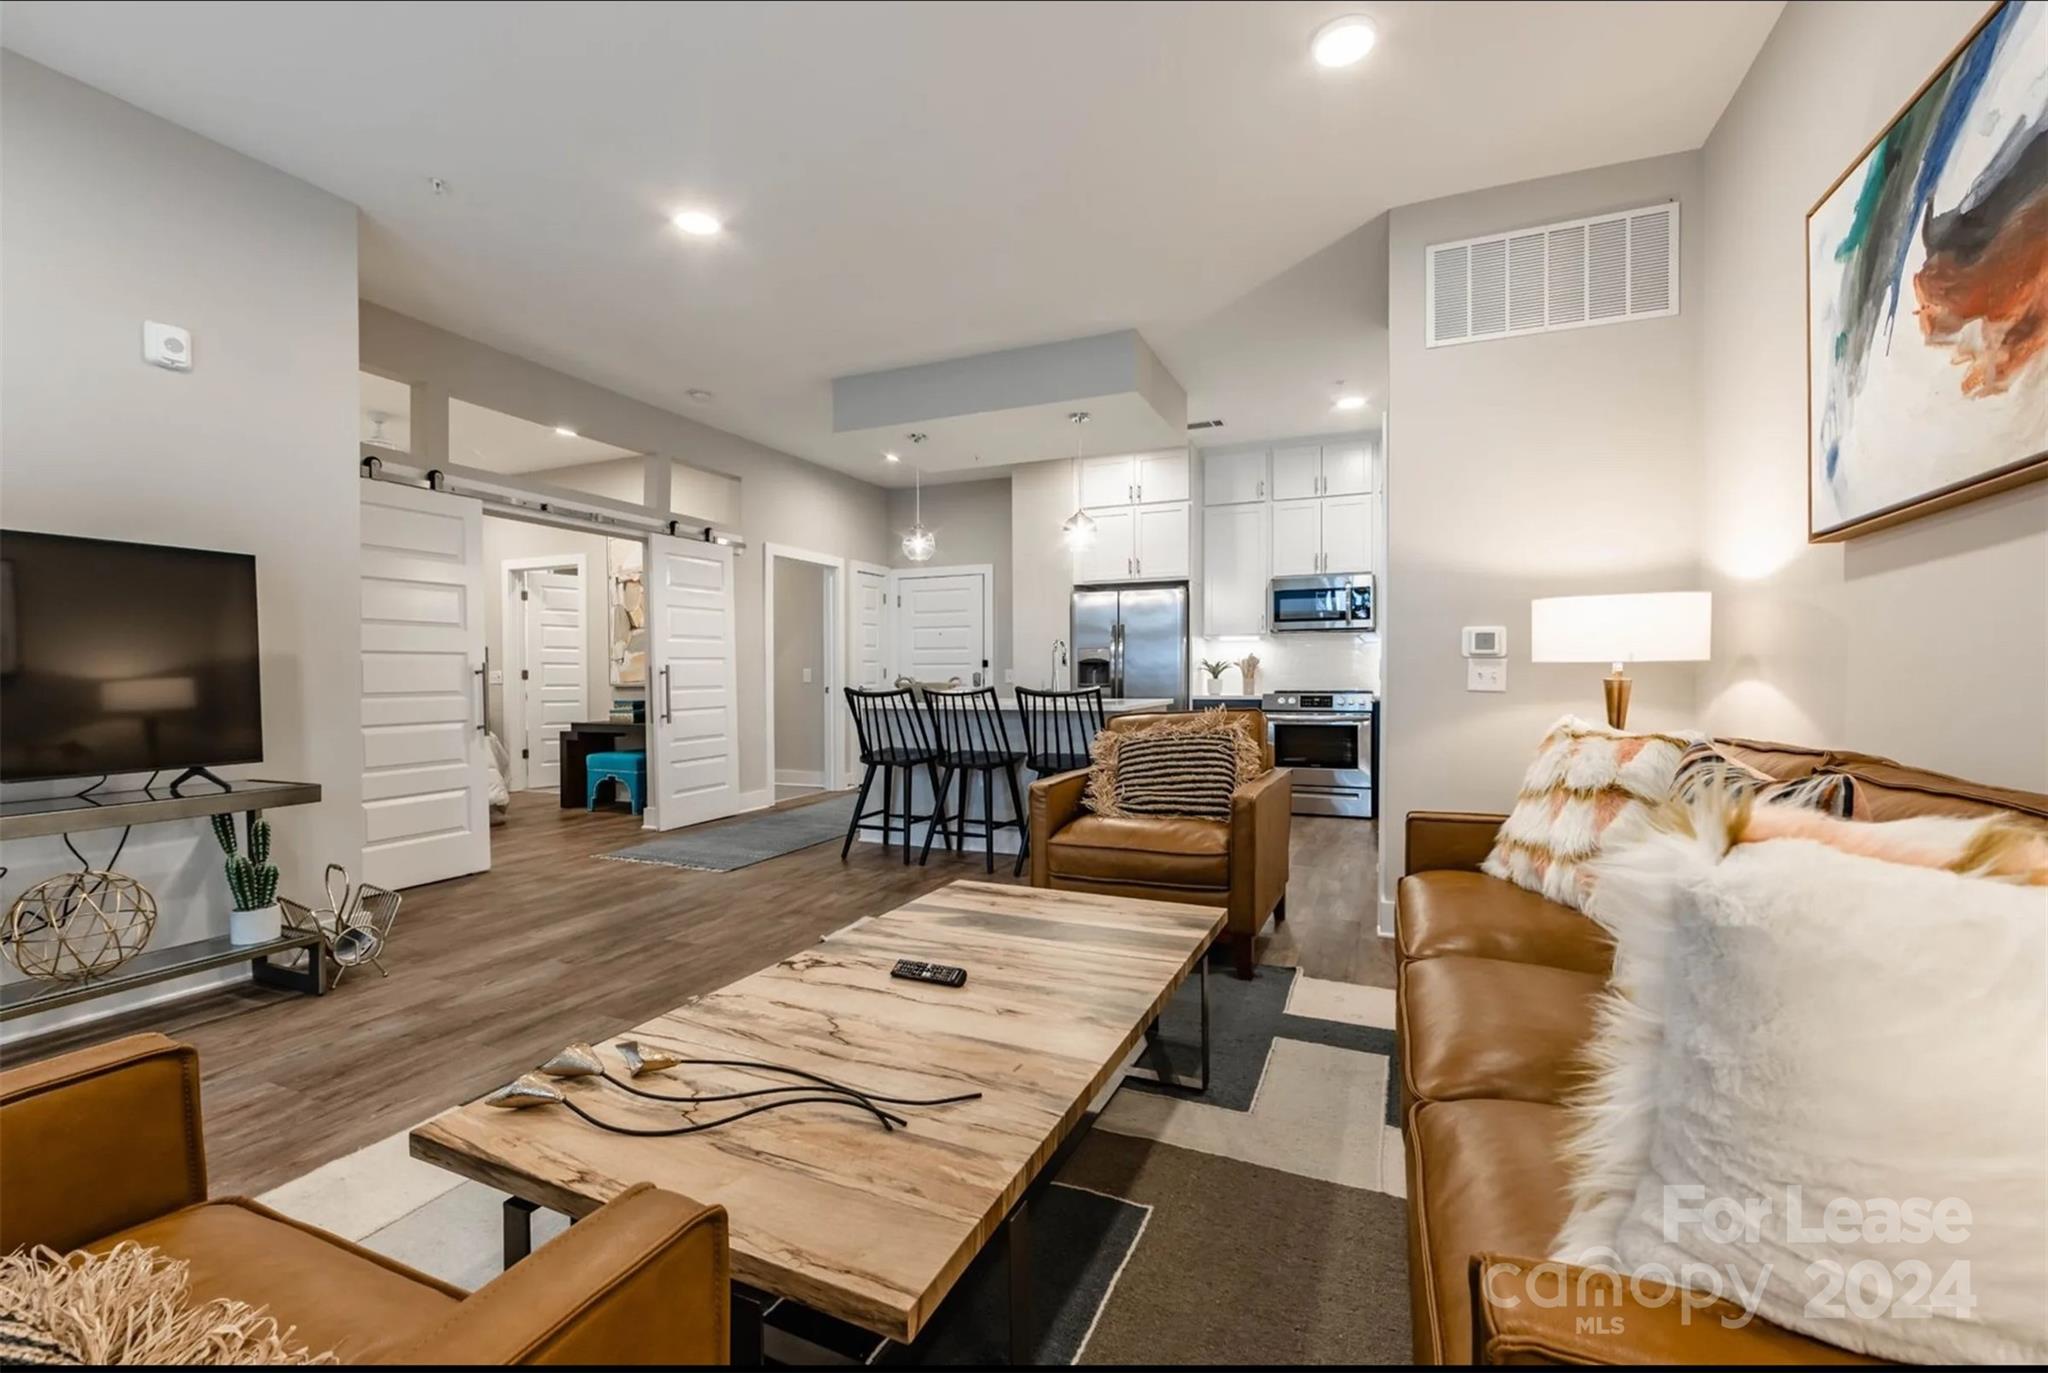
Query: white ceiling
x=903 y=182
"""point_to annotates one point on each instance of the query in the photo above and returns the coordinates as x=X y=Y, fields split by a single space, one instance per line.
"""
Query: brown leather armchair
x=104 y=1145
x=1240 y=863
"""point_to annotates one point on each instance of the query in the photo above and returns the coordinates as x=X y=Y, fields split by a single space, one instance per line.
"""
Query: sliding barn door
x=425 y=764
x=693 y=767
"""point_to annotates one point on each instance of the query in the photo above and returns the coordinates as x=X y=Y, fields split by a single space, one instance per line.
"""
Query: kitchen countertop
x=1113 y=705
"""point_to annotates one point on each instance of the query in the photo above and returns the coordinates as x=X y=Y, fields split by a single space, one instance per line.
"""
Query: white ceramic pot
x=259 y=926
x=1215 y=686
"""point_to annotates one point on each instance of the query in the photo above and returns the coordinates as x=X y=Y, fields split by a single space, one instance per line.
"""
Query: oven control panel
x=1336 y=702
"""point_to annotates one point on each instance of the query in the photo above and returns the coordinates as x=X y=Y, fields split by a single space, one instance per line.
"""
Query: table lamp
x=1645 y=627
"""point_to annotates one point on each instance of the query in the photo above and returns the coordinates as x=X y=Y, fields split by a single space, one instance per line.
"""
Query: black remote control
x=912 y=971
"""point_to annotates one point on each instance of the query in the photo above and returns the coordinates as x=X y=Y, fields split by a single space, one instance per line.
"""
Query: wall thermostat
x=166 y=345
x=1486 y=641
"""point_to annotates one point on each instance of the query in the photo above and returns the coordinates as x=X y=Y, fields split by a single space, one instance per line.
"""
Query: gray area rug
x=732 y=844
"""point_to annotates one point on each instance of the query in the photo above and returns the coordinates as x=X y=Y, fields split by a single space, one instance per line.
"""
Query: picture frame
x=1924 y=389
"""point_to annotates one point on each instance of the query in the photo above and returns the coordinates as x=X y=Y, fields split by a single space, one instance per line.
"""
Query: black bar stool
x=971 y=738
x=894 y=736
x=1059 y=727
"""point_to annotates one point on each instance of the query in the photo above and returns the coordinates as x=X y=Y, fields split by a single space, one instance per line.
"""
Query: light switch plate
x=497 y=676
x=807 y=675
x=1486 y=674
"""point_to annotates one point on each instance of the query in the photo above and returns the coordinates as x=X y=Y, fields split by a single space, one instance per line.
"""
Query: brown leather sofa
x=1495 y=997
x=1240 y=863
x=104 y=1145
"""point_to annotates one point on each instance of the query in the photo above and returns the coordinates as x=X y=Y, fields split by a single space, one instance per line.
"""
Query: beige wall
x=110 y=217
x=1928 y=642
x=1546 y=465
x=508 y=540
x=971 y=521
x=782 y=499
x=799 y=644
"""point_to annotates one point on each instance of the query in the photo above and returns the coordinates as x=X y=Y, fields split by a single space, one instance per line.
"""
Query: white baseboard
x=799 y=777
x=755 y=800
x=122 y=1003
x=1386 y=919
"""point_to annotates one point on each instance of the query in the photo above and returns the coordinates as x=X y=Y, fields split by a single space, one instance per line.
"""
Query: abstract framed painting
x=1927 y=294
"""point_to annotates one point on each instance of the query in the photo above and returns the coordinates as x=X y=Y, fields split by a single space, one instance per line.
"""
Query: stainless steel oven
x=1339 y=601
x=1326 y=738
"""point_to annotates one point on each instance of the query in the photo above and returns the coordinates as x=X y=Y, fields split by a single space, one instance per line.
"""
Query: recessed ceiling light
x=565 y=431
x=1342 y=42
x=892 y=457
x=1349 y=403
x=699 y=395
x=697 y=222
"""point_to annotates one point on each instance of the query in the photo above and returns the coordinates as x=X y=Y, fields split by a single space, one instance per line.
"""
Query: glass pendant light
x=1079 y=529
x=918 y=544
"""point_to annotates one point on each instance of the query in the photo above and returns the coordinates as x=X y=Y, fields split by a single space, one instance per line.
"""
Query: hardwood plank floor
x=491 y=973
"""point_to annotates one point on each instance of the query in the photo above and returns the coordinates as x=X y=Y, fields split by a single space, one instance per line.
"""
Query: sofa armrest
x=95 y=1141
x=1450 y=840
x=644 y=1280
x=1261 y=819
x=1535 y=1311
x=1055 y=801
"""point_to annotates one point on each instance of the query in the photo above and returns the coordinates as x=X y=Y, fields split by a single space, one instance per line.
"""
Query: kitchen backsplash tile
x=1292 y=662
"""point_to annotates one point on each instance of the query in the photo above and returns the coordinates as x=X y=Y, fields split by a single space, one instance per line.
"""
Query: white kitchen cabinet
x=1347 y=533
x=1234 y=569
x=1163 y=545
x=1347 y=469
x=1162 y=477
x=1114 y=552
x=1107 y=481
x=1297 y=472
x=1297 y=537
x=1234 y=478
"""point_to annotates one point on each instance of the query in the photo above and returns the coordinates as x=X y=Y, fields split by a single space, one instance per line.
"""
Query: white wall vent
x=1608 y=269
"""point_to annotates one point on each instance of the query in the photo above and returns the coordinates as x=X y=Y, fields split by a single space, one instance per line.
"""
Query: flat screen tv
x=125 y=657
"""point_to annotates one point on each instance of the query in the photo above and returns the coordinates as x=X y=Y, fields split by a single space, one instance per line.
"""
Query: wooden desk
x=826 y=1209
x=586 y=737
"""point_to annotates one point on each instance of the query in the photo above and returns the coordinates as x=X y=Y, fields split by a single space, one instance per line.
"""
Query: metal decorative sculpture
x=580 y=1060
x=79 y=925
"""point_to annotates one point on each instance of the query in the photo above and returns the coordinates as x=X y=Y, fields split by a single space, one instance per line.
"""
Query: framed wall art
x=1927 y=294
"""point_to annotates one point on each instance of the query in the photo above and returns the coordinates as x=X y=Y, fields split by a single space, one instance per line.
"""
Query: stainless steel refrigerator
x=1133 y=640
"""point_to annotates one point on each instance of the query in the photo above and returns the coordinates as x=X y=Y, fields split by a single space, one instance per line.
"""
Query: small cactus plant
x=252 y=877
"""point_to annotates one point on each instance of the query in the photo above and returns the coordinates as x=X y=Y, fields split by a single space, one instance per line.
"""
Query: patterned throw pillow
x=1704 y=765
x=1187 y=765
x=1585 y=777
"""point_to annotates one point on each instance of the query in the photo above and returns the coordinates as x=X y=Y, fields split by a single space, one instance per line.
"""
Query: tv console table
x=43 y=816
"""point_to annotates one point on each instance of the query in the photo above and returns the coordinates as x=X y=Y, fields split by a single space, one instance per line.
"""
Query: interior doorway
x=549 y=645
x=805 y=670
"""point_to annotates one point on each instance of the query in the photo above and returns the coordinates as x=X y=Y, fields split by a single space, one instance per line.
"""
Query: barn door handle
x=482 y=724
x=668 y=700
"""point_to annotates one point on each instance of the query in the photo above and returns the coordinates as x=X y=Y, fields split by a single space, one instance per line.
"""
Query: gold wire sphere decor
x=79 y=925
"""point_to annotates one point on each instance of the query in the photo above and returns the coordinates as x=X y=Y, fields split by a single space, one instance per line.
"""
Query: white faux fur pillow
x=1585 y=777
x=1790 y=1026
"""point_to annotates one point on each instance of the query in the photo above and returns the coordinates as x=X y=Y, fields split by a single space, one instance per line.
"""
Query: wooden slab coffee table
x=827 y=1209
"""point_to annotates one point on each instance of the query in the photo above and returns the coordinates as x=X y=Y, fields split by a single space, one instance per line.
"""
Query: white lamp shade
x=1648 y=627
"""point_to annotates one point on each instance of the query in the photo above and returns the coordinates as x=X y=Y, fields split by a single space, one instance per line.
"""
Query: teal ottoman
x=626 y=768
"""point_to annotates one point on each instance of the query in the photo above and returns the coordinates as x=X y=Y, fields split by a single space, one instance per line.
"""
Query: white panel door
x=1297 y=473
x=1348 y=534
x=1107 y=481
x=1112 y=556
x=693 y=762
x=1162 y=477
x=1297 y=537
x=425 y=769
x=551 y=659
x=1233 y=478
x=942 y=627
x=870 y=630
x=1163 y=538
x=1347 y=469
x=1234 y=570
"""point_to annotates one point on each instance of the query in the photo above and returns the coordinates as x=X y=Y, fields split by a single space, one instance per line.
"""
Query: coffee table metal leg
x=1162 y=1070
x=747 y=1309
x=518 y=1229
x=1017 y=1253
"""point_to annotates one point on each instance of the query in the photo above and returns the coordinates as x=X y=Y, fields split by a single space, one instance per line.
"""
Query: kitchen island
x=1013 y=728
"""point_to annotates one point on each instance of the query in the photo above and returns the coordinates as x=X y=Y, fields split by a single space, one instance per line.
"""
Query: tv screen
x=125 y=657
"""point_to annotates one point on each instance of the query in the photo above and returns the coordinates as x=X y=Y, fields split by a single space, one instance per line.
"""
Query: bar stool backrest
x=1059 y=727
x=889 y=726
x=969 y=723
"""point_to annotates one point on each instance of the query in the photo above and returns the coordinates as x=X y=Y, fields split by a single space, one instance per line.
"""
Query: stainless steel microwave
x=1334 y=600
